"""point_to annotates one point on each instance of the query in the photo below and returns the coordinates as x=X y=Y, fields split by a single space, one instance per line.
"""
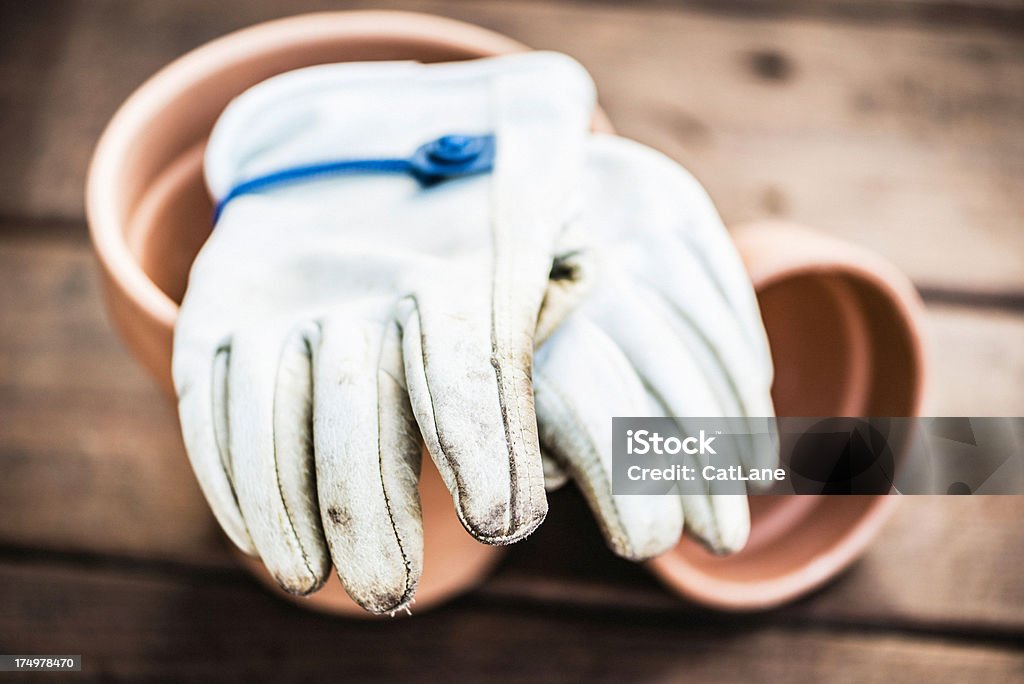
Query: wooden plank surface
x=942 y=565
x=893 y=123
x=899 y=136
x=977 y=362
x=81 y=427
x=130 y=626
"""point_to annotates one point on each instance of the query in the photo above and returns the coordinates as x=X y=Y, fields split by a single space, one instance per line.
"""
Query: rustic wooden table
x=898 y=124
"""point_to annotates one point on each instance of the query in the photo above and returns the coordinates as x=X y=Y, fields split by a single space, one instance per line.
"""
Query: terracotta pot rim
x=823 y=255
x=735 y=596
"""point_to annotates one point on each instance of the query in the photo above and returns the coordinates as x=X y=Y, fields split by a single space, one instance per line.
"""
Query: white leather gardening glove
x=331 y=320
x=669 y=328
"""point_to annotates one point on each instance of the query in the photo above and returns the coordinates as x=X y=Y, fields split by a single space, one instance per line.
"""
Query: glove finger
x=368 y=461
x=686 y=212
x=555 y=475
x=702 y=319
x=568 y=282
x=708 y=238
x=678 y=383
x=202 y=409
x=745 y=403
x=658 y=337
x=695 y=315
x=469 y=378
x=582 y=381
x=270 y=420
x=679 y=280
x=720 y=521
x=570 y=278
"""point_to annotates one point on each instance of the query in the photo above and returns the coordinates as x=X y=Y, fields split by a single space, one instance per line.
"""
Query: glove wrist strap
x=447 y=157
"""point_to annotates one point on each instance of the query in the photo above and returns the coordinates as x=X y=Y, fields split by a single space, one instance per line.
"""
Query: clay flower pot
x=149 y=212
x=845 y=334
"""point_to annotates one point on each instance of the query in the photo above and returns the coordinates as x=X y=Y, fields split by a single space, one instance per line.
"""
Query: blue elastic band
x=450 y=156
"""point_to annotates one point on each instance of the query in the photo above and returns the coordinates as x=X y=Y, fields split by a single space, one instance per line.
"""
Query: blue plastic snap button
x=452 y=156
x=455 y=149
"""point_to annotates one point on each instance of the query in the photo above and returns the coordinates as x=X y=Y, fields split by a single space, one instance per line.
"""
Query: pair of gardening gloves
x=444 y=254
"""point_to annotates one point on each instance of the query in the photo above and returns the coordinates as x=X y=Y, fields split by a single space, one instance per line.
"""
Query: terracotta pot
x=845 y=333
x=149 y=213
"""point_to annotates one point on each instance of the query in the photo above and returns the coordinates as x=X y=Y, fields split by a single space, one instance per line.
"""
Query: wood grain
x=128 y=626
x=902 y=137
x=942 y=565
x=977 y=362
x=91 y=453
